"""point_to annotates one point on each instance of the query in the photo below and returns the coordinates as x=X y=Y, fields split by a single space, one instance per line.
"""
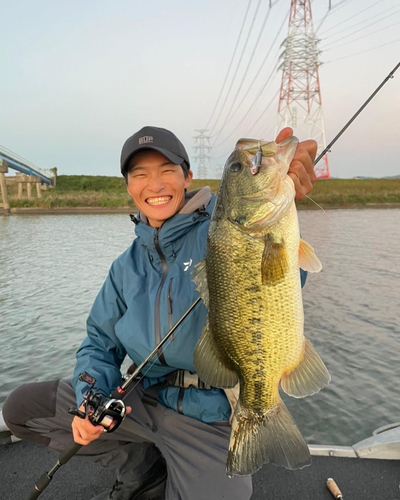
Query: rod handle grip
x=69 y=453
x=34 y=494
x=334 y=489
x=41 y=484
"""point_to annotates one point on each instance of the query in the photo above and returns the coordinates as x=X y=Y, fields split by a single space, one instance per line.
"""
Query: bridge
x=24 y=166
x=31 y=174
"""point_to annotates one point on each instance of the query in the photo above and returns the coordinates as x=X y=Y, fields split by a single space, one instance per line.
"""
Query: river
x=52 y=266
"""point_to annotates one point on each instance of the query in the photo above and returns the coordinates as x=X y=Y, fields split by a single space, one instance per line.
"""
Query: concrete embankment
x=130 y=210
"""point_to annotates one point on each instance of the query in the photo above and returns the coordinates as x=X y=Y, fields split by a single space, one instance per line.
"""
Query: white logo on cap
x=145 y=139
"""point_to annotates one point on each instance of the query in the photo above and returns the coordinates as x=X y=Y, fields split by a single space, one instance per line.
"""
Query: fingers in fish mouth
x=158 y=200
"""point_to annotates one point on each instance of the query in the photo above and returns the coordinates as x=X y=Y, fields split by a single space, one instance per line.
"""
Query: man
x=175 y=449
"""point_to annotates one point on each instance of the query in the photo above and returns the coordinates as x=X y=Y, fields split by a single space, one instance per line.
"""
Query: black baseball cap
x=159 y=139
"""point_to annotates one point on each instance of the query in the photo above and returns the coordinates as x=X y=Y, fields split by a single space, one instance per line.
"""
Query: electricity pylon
x=203 y=149
x=300 y=103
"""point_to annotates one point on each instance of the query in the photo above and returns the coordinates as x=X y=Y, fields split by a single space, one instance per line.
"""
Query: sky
x=78 y=78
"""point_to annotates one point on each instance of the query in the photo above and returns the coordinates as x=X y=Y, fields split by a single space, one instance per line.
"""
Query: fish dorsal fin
x=308 y=377
x=274 y=261
x=308 y=259
x=208 y=364
x=199 y=274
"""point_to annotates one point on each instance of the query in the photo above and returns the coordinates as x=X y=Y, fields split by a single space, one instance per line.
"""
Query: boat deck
x=21 y=464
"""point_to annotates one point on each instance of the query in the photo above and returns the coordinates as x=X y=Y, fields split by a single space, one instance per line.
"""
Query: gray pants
x=195 y=452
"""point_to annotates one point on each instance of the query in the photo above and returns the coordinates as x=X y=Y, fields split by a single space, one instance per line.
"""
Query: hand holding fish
x=301 y=168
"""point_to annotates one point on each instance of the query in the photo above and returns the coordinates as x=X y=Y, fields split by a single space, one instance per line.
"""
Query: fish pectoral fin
x=274 y=261
x=308 y=259
x=270 y=437
x=208 y=363
x=199 y=274
x=308 y=377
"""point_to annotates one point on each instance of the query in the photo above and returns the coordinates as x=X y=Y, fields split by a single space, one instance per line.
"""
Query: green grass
x=350 y=192
x=110 y=192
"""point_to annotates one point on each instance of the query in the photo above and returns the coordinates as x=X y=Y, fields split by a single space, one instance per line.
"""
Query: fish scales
x=265 y=323
x=250 y=282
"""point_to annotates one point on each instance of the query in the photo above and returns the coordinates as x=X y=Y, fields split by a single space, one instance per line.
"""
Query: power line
x=363 y=51
x=230 y=64
x=365 y=27
x=264 y=111
x=245 y=73
x=250 y=108
x=363 y=36
x=238 y=65
x=330 y=11
x=351 y=17
x=362 y=22
x=262 y=114
x=260 y=68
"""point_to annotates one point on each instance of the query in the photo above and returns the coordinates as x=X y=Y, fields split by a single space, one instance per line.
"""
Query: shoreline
x=129 y=210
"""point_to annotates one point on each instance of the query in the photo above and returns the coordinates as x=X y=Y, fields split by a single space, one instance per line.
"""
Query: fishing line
x=330 y=218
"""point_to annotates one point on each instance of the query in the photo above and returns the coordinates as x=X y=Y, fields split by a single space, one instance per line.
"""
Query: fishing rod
x=110 y=412
x=328 y=147
x=101 y=410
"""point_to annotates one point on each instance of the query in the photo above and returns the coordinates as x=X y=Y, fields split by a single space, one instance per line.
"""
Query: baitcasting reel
x=100 y=409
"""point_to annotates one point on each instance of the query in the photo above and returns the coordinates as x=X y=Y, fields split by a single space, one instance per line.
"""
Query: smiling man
x=156 y=178
x=173 y=442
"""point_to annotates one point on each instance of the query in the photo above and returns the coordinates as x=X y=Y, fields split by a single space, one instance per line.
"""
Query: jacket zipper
x=170 y=317
x=157 y=319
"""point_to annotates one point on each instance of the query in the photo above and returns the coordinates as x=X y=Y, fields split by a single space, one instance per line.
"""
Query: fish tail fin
x=257 y=439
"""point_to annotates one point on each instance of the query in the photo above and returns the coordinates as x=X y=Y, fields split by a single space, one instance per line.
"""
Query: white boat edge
x=384 y=444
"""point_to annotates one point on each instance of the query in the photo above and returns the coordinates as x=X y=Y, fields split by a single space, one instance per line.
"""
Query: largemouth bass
x=250 y=283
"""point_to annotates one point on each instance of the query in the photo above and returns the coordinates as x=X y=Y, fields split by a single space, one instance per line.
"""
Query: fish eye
x=235 y=166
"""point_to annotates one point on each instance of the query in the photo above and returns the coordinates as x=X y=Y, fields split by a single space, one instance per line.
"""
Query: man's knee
x=27 y=402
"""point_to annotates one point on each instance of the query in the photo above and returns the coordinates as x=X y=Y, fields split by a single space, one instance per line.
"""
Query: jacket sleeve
x=303 y=277
x=101 y=354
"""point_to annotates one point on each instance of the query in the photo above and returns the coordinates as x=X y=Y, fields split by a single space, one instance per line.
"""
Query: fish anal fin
x=308 y=259
x=257 y=439
x=274 y=261
x=208 y=364
x=308 y=377
x=199 y=274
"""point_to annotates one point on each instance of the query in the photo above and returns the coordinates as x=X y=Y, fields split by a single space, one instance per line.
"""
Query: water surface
x=52 y=266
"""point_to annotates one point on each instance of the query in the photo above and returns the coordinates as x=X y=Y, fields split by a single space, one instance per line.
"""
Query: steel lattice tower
x=300 y=101
x=202 y=148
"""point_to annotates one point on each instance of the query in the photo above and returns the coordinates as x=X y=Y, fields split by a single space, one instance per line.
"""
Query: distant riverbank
x=101 y=194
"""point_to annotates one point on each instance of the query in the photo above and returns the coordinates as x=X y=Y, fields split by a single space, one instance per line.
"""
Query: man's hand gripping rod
x=108 y=412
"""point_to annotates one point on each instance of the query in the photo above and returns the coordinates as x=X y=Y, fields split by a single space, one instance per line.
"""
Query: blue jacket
x=148 y=289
